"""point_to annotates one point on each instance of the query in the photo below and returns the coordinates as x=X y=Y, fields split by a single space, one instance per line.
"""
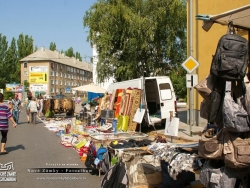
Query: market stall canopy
x=90 y=88
x=240 y=18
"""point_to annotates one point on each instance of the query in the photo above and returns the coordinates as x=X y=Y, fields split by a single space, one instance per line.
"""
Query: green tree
x=70 y=52
x=135 y=38
x=25 y=48
x=78 y=56
x=178 y=78
x=11 y=62
x=52 y=46
x=3 y=51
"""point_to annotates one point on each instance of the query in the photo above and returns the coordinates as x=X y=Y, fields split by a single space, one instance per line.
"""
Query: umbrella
x=90 y=88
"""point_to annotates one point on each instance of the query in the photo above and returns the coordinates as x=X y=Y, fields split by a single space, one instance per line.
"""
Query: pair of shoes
x=105 y=127
x=3 y=153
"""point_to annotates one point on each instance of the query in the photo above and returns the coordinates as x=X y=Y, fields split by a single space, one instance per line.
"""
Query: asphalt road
x=34 y=146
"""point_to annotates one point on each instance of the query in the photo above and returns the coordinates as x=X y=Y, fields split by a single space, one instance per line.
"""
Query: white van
x=158 y=97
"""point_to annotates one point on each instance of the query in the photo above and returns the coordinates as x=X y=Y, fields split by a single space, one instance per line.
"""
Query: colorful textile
x=4 y=115
x=135 y=104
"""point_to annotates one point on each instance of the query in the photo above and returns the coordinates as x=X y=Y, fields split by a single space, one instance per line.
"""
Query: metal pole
x=191 y=53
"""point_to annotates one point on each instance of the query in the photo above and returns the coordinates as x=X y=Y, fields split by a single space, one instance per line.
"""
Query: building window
x=61 y=66
x=72 y=69
x=57 y=90
x=56 y=82
x=72 y=77
x=65 y=83
x=65 y=75
x=25 y=65
x=52 y=73
x=72 y=83
x=25 y=73
x=68 y=75
x=52 y=81
x=61 y=74
x=56 y=73
x=51 y=90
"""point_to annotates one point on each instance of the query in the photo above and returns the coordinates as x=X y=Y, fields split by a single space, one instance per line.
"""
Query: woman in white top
x=33 y=105
x=40 y=111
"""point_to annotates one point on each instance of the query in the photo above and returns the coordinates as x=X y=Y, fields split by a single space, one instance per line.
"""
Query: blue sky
x=59 y=21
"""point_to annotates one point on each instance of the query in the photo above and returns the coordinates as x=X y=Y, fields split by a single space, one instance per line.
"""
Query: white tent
x=90 y=88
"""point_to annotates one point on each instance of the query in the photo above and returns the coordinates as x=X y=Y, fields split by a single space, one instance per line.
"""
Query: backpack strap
x=231 y=28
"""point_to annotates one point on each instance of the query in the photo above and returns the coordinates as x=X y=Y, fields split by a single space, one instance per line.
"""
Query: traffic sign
x=191 y=80
x=67 y=88
x=190 y=64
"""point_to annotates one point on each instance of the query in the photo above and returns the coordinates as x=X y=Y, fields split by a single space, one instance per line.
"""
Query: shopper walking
x=33 y=105
x=40 y=107
x=5 y=114
x=16 y=108
x=27 y=103
x=78 y=100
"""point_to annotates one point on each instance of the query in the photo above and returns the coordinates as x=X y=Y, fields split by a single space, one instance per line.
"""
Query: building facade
x=95 y=60
x=202 y=45
x=50 y=72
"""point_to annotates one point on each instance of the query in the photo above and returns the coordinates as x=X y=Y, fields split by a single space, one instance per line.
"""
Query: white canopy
x=240 y=18
x=90 y=88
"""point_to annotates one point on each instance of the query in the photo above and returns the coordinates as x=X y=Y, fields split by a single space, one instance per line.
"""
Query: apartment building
x=50 y=72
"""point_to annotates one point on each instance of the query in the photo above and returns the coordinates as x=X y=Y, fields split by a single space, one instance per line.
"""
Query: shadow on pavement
x=17 y=147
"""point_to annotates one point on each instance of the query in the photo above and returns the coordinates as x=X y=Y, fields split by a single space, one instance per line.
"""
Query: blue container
x=114 y=125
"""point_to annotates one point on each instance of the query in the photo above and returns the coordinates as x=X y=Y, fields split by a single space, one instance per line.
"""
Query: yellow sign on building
x=38 y=77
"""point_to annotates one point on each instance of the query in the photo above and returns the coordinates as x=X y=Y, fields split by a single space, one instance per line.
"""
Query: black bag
x=231 y=58
x=89 y=163
x=116 y=177
x=216 y=100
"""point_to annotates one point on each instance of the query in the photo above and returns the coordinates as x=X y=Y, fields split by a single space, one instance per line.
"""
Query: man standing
x=16 y=108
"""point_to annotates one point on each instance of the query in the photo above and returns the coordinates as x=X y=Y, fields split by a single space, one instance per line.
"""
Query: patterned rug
x=135 y=104
x=123 y=102
x=112 y=99
x=128 y=97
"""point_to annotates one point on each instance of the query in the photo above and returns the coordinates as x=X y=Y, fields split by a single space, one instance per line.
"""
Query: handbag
x=235 y=117
x=205 y=87
x=122 y=123
x=210 y=144
x=214 y=174
x=236 y=150
x=204 y=109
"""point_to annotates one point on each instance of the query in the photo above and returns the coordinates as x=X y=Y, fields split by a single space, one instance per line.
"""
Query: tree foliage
x=52 y=46
x=136 y=38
